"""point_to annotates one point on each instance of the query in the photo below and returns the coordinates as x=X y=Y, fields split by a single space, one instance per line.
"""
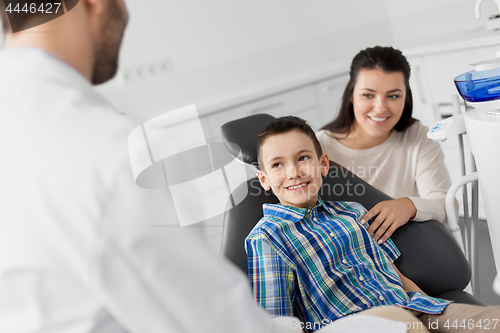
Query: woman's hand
x=388 y=216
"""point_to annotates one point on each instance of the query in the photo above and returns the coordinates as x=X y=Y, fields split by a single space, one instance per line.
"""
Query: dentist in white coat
x=77 y=250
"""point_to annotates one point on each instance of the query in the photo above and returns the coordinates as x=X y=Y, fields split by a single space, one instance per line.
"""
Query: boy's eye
x=276 y=165
x=368 y=95
x=303 y=158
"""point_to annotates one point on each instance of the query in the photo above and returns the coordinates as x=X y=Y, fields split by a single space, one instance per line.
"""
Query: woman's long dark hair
x=387 y=59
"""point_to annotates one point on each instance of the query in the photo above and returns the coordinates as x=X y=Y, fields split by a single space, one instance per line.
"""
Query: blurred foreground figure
x=78 y=250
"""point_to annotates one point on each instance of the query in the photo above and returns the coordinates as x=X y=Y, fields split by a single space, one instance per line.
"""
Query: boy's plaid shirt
x=320 y=264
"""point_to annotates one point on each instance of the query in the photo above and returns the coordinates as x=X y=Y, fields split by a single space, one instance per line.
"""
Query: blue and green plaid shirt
x=320 y=264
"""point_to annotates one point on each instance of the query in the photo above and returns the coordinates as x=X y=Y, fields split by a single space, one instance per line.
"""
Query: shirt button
x=344 y=261
x=381 y=298
x=361 y=278
x=332 y=234
x=315 y=219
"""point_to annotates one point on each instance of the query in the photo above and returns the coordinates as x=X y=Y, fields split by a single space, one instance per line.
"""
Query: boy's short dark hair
x=285 y=125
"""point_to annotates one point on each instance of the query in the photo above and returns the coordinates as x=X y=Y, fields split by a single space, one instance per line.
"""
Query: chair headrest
x=240 y=134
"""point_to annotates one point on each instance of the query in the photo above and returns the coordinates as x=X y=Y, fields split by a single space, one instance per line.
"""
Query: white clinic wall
x=218 y=43
x=198 y=33
x=424 y=22
x=217 y=47
x=195 y=34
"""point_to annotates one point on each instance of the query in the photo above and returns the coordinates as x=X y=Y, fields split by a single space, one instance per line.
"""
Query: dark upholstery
x=430 y=255
x=249 y=128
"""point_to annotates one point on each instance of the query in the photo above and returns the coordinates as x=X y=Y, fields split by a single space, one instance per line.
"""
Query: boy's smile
x=292 y=168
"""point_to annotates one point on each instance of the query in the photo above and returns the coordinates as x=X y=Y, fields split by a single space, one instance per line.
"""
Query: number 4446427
x=485 y=324
x=50 y=8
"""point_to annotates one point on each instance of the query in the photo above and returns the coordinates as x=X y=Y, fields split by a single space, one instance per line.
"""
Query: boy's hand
x=388 y=216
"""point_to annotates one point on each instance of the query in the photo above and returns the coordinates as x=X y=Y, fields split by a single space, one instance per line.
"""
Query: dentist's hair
x=284 y=125
x=387 y=59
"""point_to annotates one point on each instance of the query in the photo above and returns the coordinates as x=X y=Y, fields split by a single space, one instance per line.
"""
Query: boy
x=314 y=259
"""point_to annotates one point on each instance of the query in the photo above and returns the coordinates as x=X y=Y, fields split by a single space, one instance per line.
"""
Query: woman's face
x=378 y=101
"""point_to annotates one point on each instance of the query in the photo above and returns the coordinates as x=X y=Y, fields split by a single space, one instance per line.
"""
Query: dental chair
x=430 y=256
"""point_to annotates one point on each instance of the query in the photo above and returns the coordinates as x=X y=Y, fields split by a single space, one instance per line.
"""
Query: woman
x=376 y=137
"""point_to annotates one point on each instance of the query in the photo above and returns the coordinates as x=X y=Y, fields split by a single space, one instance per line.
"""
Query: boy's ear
x=263 y=180
x=325 y=164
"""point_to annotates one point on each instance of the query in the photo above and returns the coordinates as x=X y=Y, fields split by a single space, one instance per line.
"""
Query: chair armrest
x=431 y=257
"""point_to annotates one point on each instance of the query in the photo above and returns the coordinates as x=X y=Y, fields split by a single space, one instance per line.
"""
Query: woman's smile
x=378 y=120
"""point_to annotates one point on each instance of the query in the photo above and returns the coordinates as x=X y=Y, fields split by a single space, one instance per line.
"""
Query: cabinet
x=433 y=86
x=329 y=95
x=422 y=106
x=313 y=102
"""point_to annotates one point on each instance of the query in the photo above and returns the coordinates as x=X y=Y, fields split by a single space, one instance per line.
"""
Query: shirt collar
x=289 y=213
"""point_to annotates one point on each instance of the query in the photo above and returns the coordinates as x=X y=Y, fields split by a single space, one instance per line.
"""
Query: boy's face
x=292 y=169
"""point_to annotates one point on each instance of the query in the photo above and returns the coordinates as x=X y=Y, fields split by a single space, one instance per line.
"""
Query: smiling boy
x=314 y=259
x=298 y=185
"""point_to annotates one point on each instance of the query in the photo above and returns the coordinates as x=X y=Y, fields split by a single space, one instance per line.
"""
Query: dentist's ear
x=325 y=164
x=263 y=180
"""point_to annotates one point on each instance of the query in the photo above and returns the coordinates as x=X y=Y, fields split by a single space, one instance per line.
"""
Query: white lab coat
x=82 y=248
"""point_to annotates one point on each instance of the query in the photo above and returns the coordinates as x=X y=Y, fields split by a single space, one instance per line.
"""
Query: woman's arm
x=431 y=179
x=388 y=216
x=432 y=182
